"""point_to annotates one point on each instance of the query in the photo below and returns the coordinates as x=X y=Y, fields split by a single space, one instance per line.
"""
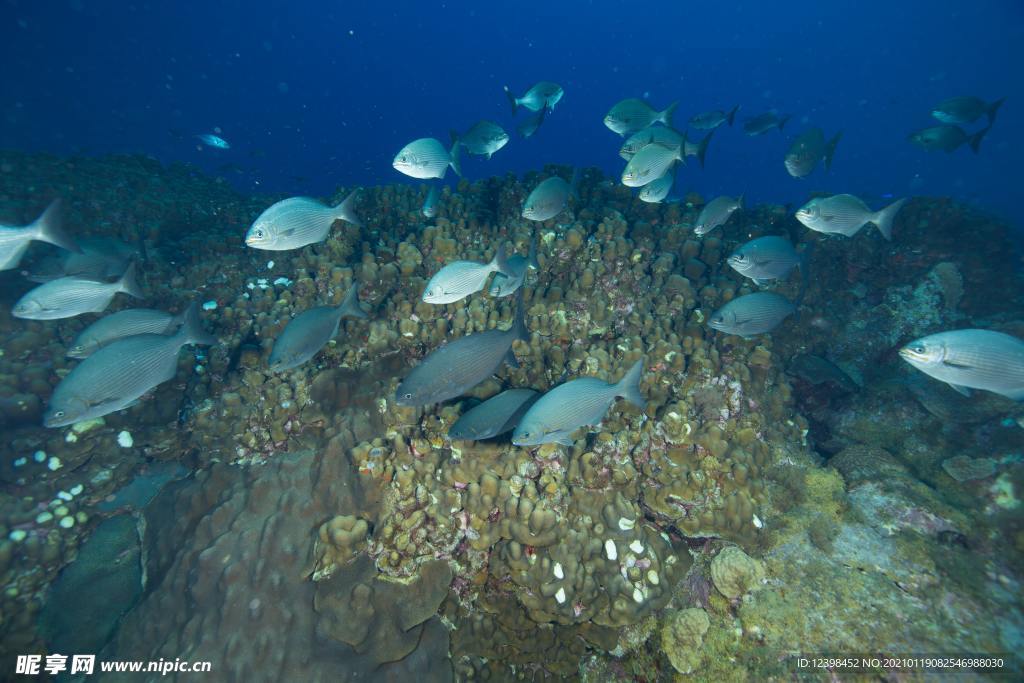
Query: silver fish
x=947 y=138
x=752 y=314
x=496 y=415
x=713 y=119
x=100 y=258
x=549 y=198
x=116 y=376
x=578 y=403
x=14 y=240
x=631 y=115
x=211 y=140
x=844 y=214
x=484 y=138
x=649 y=164
x=808 y=149
x=528 y=127
x=762 y=123
x=655 y=192
x=502 y=285
x=652 y=135
x=767 y=258
x=456 y=367
x=697 y=149
x=122 y=324
x=544 y=95
x=429 y=209
x=964 y=110
x=311 y=330
x=971 y=359
x=427 y=158
x=70 y=296
x=459 y=279
x=717 y=212
x=298 y=221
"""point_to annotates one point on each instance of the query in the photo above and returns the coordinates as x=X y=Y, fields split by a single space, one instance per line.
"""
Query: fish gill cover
x=219 y=233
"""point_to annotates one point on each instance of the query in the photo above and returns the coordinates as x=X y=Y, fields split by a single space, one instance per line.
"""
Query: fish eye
x=59 y=414
x=259 y=234
x=407 y=396
x=918 y=349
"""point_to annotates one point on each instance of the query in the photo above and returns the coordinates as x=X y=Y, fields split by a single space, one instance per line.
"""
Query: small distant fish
x=752 y=314
x=311 y=330
x=528 y=127
x=844 y=214
x=652 y=135
x=578 y=403
x=427 y=158
x=116 y=376
x=971 y=359
x=947 y=138
x=808 y=149
x=697 y=149
x=717 y=212
x=122 y=324
x=298 y=221
x=460 y=279
x=549 y=198
x=632 y=115
x=14 y=240
x=100 y=258
x=655 y=192
x=817 y=370
x=502 y=285
x=69 y=296
x=713 y=119
x=459 y=365
x=767 y=258
x=762 y=123
x=649 y=164
x=964 y=110
x=544 y=95
x=211 y=140
x=484 y=138
x=429 y=209
x=494 y=416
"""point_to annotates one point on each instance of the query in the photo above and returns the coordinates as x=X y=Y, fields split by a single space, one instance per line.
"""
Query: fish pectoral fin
x=762 y=282
x=960 y=389
x=563 y=438
x=959 y=366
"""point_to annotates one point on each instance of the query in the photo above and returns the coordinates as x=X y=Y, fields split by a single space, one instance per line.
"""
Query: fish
x=119 y=374
x=768 y=258
x=762 y=123
x=528 y=127
x=122 y=324
x=655 y=192
x=582 y=402
x=459 y=365
x=652 y=135
x=752 y=314
x=808 y=149
x=947 y=138
x=649 y=164
x=971 y=359
x=484 y=138
x=493 y=417
x=964 y=110
x=541 y=96
x=311 y=330
x=99 y=258
x=844 y=214
x=550 y=197
x=211 y=140
x=459 y=279
x=632 y=115
x=14 y=240
x=713 y=119
x=69 y=296
x=696 y=149
x=503 y=285
x=297 y=222
x=429 y=209
x=817 y=370
x=716 y=212
x=427 y=158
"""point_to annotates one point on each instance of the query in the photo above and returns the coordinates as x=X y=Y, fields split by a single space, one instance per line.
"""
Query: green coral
x=682 y=637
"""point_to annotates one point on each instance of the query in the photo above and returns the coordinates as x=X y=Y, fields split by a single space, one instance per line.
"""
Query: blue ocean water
x=313 y=95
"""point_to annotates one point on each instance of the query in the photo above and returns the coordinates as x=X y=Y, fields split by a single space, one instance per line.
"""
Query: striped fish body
x=715 y=213
x=124 y=323
x=429 y=209
x=547 y=200
x=752 y=314
x=458 y=280
x=845 y=214
x=66 y=297
x=765 y=258
x=655 y=193
x=503 y=285
x=494 y=416
x=632 y=115
x=653 y=135
x=971 y=359
x=296 y=222
x=309 y=331
x=649 y=164
x=426 y=158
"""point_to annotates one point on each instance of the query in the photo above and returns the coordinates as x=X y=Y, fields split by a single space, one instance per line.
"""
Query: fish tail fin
x=129 y=284
x=500 y=262
x=993 y=108
x=346 y=211
x=192 y=331
x=975 y=140
x=512 y=100
x=702 y=148
x=574 y=182
x=884 y=217
x=830 y=150
x=666 y=116
x=732 y=115
x=350 y=304
x=531 y=259
x=453 y=158
x=519 y=324
x=629 y=386
x=49 y=228
x=783 y=121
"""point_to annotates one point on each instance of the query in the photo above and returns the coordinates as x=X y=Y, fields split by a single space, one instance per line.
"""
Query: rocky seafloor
x=301 y=526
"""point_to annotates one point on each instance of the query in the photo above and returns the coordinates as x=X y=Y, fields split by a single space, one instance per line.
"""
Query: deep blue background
x=316 y=94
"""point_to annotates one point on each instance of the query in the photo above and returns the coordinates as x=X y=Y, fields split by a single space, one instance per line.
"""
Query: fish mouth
x=907 y=354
